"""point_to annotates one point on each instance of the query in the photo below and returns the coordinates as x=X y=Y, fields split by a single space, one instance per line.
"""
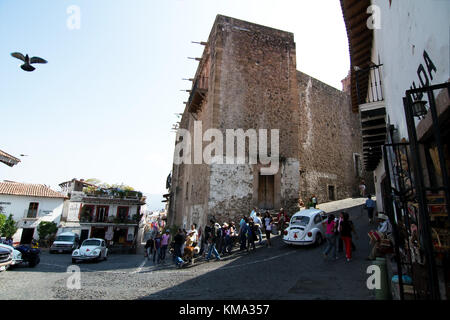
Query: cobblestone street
x=280 y=272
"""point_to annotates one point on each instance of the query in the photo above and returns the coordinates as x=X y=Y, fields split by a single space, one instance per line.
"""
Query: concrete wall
x=408 y=29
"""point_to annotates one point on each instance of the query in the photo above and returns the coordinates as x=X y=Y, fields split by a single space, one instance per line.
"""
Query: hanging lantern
x=419 y=109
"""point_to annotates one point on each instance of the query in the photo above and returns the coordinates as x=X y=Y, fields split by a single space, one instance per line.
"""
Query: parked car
x=65 y=242
x=23 y=254
x=6 y=257
x=305 y=228
x=91 y=249
x=17 y=255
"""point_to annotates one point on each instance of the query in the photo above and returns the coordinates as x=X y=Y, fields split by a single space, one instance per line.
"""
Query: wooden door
x=266 y=194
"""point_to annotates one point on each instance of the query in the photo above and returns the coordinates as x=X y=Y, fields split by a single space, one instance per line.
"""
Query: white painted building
x=101 y=213
x=30 y=204
x=399 y=53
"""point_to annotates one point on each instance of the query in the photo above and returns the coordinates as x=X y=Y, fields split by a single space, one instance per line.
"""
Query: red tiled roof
x=8 y=159
x=27 y=189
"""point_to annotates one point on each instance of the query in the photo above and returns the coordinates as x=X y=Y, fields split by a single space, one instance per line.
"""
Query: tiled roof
x=27 y=189
x=8 y=159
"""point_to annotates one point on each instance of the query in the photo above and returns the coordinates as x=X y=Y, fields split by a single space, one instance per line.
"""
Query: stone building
x=247 y=79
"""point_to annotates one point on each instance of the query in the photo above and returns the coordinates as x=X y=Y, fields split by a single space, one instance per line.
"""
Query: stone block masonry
x=252 y=83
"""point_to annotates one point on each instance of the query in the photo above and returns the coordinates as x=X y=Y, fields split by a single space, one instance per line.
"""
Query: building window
x=32 y=210
x=102 y=213
x=122 y=213
x=87 y=213
x=331 y=193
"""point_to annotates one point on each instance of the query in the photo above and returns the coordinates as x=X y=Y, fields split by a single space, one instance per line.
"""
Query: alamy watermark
x=213 y=153
x=74 y=280
x=74 y=19
x=374 y=280
x=374 y=21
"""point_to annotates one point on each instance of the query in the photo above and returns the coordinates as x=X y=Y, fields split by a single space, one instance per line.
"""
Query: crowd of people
x=219 y=240
x=215 y=239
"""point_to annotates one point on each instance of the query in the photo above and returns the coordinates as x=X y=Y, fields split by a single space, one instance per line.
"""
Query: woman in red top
x=330 y=235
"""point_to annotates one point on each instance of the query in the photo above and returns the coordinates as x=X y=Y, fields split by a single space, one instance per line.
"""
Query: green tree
x=9 y=227
x=46 y=228
x=2 y=220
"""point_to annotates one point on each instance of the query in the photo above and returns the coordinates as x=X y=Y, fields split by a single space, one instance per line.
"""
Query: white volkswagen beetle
x=91 y=249
x=305 y=228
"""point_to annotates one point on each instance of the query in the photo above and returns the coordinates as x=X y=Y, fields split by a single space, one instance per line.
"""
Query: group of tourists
x=220 y=239
x=215 y=239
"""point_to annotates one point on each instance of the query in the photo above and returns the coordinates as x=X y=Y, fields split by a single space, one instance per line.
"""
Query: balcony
x=198 y=94
x=368 y=85
x=373 y=114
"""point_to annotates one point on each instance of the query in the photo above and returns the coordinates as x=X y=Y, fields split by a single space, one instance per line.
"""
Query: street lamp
x=419 y=109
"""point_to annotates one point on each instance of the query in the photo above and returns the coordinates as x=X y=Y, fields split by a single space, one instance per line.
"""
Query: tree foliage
x=8 y=228
x=2 y=220
x=46 y=228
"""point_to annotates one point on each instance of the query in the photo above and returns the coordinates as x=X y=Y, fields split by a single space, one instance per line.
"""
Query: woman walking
x=330 y=235
x=268 y=223
x=347 y=229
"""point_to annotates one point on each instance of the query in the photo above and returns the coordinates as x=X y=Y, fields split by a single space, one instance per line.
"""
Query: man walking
x=212 y=245
x=370 y=206
x=258 y=223
x=282 y=218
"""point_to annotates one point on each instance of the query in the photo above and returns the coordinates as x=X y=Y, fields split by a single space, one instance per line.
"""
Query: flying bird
x=27 y=65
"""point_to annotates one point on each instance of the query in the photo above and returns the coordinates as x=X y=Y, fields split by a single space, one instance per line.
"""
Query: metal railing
x=369 y=84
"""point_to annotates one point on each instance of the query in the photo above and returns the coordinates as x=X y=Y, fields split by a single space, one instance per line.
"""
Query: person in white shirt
x=257 y=221
x=253 y=213
x=194 y=236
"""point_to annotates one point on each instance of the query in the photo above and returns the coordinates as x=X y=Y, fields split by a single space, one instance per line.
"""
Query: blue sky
x=104 y=105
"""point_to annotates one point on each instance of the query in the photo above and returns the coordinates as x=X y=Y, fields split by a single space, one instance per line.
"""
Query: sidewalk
x=344 y=204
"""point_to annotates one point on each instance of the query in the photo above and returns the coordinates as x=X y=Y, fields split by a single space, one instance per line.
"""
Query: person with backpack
x=330 y=235
x=213 y=241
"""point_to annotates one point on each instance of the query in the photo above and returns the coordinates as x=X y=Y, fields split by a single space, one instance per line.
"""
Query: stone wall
x=254 y=84
x=330 y=136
